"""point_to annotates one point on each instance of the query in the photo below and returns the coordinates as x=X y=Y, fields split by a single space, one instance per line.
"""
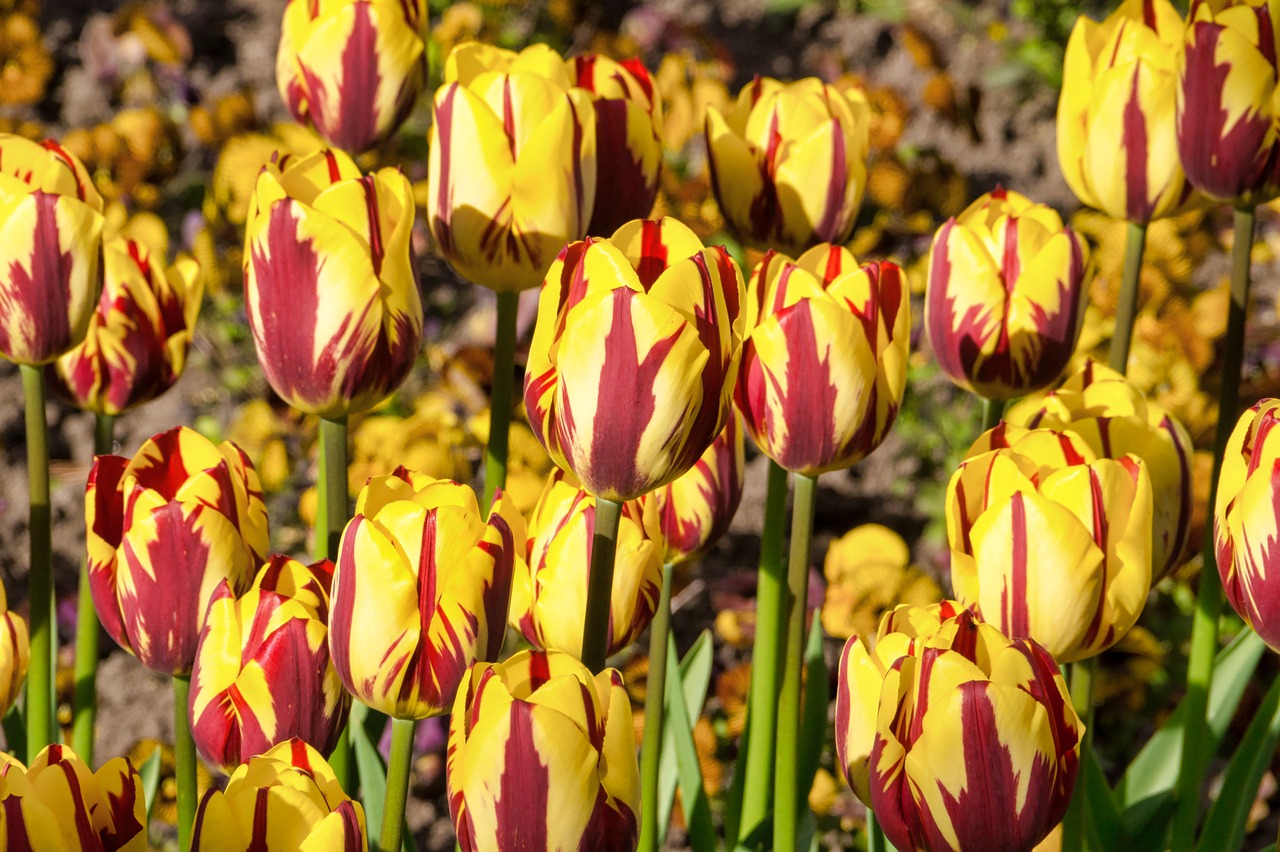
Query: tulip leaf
x=149 y=774
x=1105 y=822
x=15 y=732
x=1224 y=827
x=813 y=727
x=695 y=676
x=733 y=799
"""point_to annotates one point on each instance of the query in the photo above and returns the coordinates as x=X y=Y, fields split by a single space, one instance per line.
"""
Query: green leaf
x=15 y=731
x=813 y=720
x=149 y=773
x=695 y=675
x=1106 y=823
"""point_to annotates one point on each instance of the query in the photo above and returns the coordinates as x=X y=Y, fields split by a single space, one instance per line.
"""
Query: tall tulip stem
x=1074 y=825
x=86 y=694
x=595 y=627
x=766 y=656
x=332 y=514
x=397 y=784
x=992 y=411
x=1127 y=307
x=41 y=730
x=875 y=834
x=787 y=792
x=1204 y=630
x=184 y=760
x=504 y=360
x=655 y=690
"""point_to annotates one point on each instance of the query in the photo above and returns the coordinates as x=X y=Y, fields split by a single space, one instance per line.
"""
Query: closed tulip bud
x=549 y=592
x=788 y=162
x=543 y=754
x=352 y=69
x=50 y=244
x=165 y=528
x=287 y=800
x=634 y=356
x=1003 y=307
x=420 y=592
x=59 y=805
x=1116 y=138
x=1113 y=417
x=1052 y=551
x=512 y=164
x=15 y=653
x=137 y=342
x=262 y=673
x=824 y=363
x=1228 y=105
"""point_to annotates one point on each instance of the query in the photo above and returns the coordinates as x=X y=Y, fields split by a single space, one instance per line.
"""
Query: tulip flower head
x=15 y=653
x=634 y=356
x=824 y=363
x=352 y=69
x=1003 y=305
x=50 y=242
x=420 y=591
x=286 y=800
x=330 y=284
x=788 y=162
x=165 y=528
x=543 y=752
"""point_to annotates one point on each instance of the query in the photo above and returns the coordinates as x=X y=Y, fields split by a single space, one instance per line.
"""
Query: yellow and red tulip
x=287 y=800
x=651 y=318
x=1229 y=99
x=352 y=69
x=788 y=162
x=1109 y=412
x=824 y=362
x=420 y=592
x=262 y=673
x=1050 y=542
x=1116 y=131
x=15 y=653
x=543 y=753
x=549 y=592
x=137 y=342
x=50 y=242
x=60 y=805
x=512 y=164
x=331 y=288
x=1003 y=308
x=165 y=528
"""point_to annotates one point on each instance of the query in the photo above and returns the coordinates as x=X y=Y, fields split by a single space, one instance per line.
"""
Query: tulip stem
x=787 y=792
x=40 y=721
x=1127 y=307
x=397 y=784
x=1075 y=824
x=1204 y=630
x=766 y=655
x=184 y=759
x=332 y=513
x=504 y=360
x=655 y=691
x=595 y=627
x=992 y=411
x=875 y=834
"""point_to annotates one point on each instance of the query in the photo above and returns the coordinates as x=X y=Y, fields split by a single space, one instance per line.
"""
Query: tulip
x=1003 y=306
x=1228 y=100
x=788 y=162
x=541 y=731
x=137 y=342
x=51 y=234
x=420 y=591
x=1116 y=137
x=512 y=164
x=262 y=673
x=165 y=528
x=1112 y=416
x=1082 y=584
x=352 y=68
x=648 y=321
x=15 y=654
x=286 y=800
x=331 y=288
x=60 y=804
x=824 y=363
x=549 y=592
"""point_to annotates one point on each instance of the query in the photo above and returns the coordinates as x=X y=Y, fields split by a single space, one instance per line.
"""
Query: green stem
x=875 y=834
x=86 y=695
x=595 y=626
x=184 y=760
x=397 y=784
x=766 y=656
x=992 y=411
x=1127 y=307
x=1204 y=630
x=1075 y=824
x=41 y=730
x=787 y=792
x=332 y=513
x=655 y=689
x=504 y=355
